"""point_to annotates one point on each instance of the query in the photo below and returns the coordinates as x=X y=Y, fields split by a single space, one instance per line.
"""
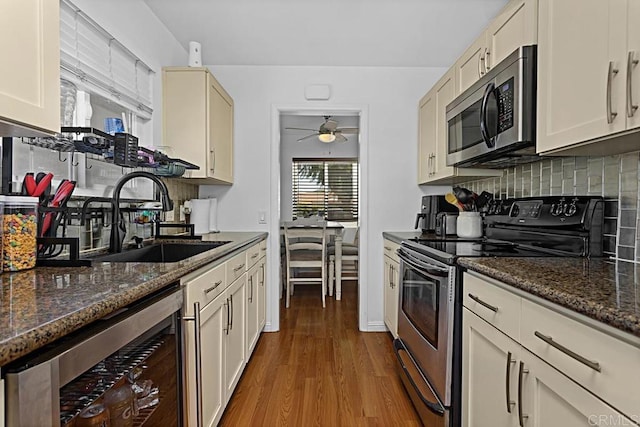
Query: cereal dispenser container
x=19 y=231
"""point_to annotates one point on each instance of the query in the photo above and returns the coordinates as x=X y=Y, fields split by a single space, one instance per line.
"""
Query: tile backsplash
x=613 y=177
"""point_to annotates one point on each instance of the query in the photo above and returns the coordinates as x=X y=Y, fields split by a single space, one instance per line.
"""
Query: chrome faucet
x=118 y=227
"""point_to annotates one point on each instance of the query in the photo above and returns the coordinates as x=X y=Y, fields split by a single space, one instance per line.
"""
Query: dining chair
x=349 y=253
x=305 y=248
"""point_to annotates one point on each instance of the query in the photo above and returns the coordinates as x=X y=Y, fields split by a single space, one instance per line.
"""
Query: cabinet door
x=235 y=334
x=220 y=132
x=253 y=302
x=445 y=92
x=212 y=323
x=517 y=25
x=633 y=54
x=391 y=295
x=489 y=376
x=579 y=42
x=470 y=66
x=262 y=294
x=30 y=76
x=426 y=136
x=551 y=399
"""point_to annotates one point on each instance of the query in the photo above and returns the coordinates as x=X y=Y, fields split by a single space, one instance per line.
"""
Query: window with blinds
x=91 y=57
x=325 y=187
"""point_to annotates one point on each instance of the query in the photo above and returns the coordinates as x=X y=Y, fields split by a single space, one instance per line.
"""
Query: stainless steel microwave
x=492 y=123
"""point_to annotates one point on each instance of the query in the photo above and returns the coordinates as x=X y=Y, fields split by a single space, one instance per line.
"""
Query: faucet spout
x=118 y=228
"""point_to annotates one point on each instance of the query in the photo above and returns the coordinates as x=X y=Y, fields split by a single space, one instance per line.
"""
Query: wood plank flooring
x=320 y=370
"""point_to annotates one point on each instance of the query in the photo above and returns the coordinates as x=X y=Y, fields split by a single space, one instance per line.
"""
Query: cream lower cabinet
x=30 y=77
x=432 y=137
x=588 y=76
x=391 y=289
x=197 y=122
x=516 y=25
x=262 y=287
x=506 y=384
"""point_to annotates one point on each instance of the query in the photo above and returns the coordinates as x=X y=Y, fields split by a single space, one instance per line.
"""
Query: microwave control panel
x=504 y=95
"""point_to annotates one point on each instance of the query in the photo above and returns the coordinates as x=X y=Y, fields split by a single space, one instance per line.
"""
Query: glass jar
x=19 y=232
x=469 y=225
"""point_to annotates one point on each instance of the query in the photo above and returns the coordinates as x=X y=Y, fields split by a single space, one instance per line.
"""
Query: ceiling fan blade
x=341 y=138
x=348 y=130
x=329 y=126
x=307 y=137
x=312 y=130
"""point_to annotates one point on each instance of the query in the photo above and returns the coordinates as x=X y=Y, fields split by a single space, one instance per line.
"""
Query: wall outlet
x=262 y=217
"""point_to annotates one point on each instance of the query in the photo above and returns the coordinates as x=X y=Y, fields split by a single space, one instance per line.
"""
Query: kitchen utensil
x=484 y=198
x=452 y=199
x=60 y=198
x=28 y=184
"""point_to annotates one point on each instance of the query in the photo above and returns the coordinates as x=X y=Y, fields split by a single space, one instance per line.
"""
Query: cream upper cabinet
x=588 y=76
x=30 y=77
x=197 y=121
x=515 y=26
x=433 y=134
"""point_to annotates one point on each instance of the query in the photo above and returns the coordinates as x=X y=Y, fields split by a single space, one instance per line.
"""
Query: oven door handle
x=483 y=116
x=420 y=265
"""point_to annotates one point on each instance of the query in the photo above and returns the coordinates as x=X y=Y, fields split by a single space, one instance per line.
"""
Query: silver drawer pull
x=484 y=304
x=241 y=266
x=215 y=285
x=387 y=248
x=549 y=340
x=254 y=256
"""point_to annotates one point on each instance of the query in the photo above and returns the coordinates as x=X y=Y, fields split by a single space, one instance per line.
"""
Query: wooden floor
x=320 y=370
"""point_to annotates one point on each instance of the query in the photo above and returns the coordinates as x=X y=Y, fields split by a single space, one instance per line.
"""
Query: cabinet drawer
x=253 y=255
x=236 y=266
x=204 y=285
x=390 y=249
x=497 y=306
x=263 y=248
x=614 y=375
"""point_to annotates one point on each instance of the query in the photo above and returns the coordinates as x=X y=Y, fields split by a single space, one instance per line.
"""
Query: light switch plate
x=262 y=217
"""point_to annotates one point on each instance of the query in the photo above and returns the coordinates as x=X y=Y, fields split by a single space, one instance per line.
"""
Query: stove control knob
x=556 y=209
x=571 y=209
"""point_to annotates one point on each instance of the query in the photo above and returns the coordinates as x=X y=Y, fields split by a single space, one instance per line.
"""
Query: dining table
x=335 y=229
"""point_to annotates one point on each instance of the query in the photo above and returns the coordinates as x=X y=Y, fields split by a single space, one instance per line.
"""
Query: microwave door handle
x=483 y=116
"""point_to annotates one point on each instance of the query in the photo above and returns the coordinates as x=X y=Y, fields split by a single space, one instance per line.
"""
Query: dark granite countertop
x=602 y=289
x=46 y=303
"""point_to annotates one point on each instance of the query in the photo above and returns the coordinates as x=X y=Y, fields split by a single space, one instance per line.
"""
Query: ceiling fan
x=328 y=132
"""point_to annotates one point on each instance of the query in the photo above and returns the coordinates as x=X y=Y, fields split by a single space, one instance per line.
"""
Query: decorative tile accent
x=616 y=178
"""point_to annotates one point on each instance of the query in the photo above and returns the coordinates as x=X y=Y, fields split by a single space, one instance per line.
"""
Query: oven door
x=425 y=318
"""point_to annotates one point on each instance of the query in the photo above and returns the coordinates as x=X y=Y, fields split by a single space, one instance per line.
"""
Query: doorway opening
x=320 y=178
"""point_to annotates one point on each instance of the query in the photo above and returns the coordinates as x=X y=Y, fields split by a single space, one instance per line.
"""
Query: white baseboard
x=377 y=326
x=268 y=328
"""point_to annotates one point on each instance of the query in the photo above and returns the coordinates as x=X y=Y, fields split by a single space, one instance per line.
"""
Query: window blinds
x=325 y=187
x=91 y=57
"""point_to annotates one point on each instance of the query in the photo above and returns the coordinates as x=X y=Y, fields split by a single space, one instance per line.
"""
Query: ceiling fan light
x=327 y=137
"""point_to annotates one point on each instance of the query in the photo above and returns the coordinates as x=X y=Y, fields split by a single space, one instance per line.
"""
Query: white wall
x=135 y=26
x=391 y=96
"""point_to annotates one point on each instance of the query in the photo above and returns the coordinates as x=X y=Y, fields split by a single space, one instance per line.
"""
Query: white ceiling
x=404 y=33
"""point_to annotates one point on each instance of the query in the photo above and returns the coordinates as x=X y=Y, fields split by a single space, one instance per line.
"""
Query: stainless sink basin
x=161 y=252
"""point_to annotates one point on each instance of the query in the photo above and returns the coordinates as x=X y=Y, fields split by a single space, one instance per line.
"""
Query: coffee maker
x=431 y=206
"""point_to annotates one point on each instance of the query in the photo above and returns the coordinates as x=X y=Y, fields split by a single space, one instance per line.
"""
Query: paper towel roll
x=200 y=215
x=213 y=215
x=195 y=54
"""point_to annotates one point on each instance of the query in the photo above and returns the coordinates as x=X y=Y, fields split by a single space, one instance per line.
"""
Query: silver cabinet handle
x=483 y=67
x=391 y=276
x=521 y=415
x=487 y=52
x=212 y=157
x=215 y=285
x=510 y=402
x=484 y=304
x=631 y=108
x=387 y=248
x=239 y=267
x=549 y=340
x=198 y=353
x=231 y=305
x=479 y=66
x=262 y=275
x=254 y=256
x=610 y=74
x=226 y=304
x=250 y=289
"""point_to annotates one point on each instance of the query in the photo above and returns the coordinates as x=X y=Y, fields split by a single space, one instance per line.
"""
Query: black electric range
x=568 y=226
